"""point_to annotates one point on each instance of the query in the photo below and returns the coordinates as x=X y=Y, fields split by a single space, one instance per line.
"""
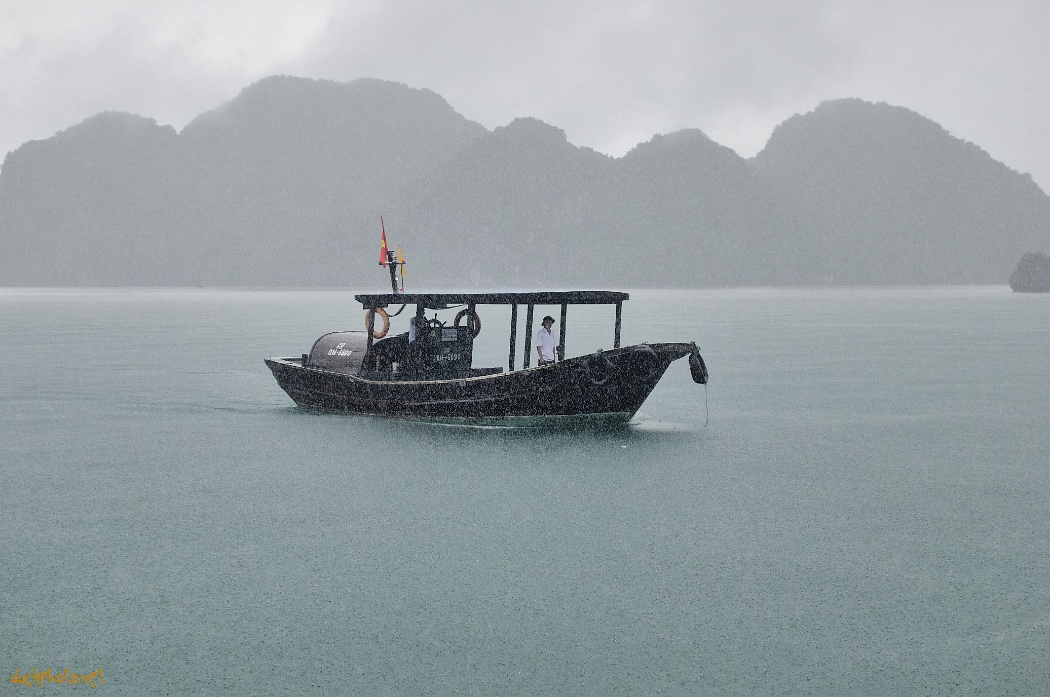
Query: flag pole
x=392 y=264
x=386 y=258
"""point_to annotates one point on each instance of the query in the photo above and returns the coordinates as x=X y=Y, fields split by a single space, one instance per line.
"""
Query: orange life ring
x=475 y=321
x=386 y=323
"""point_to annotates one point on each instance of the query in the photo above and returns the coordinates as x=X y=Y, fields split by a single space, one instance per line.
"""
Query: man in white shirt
x=545 y=343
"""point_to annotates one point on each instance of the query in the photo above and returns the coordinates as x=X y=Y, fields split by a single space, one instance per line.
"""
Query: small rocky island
x=1032 y=274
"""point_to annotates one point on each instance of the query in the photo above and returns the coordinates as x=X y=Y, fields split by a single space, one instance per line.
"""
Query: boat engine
x=340 y=352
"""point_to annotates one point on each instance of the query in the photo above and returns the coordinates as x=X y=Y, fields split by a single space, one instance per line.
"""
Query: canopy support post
x=368 y=334
x=513 y=334
x=528 y=336
x=561 y=339
x=619 y=314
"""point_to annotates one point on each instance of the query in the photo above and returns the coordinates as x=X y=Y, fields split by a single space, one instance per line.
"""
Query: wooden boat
x=432 y=376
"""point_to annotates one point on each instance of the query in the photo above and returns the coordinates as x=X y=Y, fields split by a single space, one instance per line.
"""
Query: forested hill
x=284 y=185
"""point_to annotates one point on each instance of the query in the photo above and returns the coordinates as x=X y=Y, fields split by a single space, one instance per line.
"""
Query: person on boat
x=417 y=327
x=545 y=342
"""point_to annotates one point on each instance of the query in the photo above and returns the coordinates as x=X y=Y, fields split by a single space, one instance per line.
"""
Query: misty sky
x=610 y=73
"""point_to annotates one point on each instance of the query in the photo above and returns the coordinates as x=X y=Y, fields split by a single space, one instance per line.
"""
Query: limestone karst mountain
x=1032 y=274
x=284 y=185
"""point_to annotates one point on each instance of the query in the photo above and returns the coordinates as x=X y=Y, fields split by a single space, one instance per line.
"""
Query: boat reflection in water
x=432 y=376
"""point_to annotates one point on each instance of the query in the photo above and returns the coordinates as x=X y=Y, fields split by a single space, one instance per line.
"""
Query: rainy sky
x=610 y=73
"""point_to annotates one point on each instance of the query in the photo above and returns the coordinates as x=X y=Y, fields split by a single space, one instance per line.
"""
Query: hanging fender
x=386 y=323
x=598 y=369
x=641 y=364
x=697 y=367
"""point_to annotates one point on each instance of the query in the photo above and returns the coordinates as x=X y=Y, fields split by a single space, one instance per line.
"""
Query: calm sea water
x=866 y=511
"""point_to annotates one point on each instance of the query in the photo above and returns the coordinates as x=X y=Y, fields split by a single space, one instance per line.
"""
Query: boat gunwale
x=296 y=362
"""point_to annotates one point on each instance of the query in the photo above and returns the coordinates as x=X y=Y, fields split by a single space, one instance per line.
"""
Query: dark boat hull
x=613 y=384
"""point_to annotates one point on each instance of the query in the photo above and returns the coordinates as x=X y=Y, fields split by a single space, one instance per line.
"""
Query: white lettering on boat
x=339 y=350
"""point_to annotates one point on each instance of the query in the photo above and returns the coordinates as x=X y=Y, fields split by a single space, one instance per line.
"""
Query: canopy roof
x=437 y=301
